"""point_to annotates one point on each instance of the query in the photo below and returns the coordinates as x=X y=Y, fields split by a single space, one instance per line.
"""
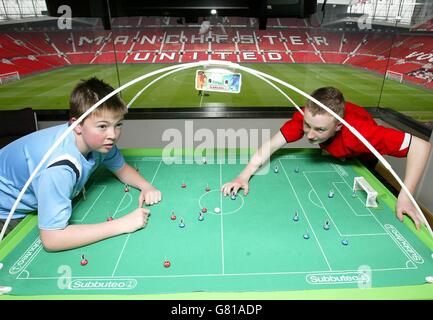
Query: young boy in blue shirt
x=64 y=174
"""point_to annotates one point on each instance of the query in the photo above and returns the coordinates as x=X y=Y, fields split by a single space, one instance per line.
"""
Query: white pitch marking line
x=378 y=222
x=324 y=208
x=368 y=209
x=311 y=200
x=32 y=257
x=200 y=205
x=336 y=226
x=365 y=234
x=222 y=275
x=348 y=204
x=120 y=255
x=24 y=275
x=93 y=204
x=127 y=238
x=222 y=224
x=399 y=246
x=410 y=264
x=157 y=169
x=306 y=217
x=121 y=202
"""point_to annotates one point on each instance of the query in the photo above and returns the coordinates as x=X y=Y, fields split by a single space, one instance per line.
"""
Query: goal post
x=396 y=76
x=9 y=77
x=360 y=183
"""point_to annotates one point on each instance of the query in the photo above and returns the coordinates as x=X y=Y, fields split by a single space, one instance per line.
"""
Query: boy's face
x=99 y=132
x=320 y=127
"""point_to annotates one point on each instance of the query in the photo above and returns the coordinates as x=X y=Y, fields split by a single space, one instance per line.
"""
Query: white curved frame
x=205 y=63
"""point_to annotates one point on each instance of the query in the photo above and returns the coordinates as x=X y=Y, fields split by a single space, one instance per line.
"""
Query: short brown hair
x=88 y=92
x=330 y=97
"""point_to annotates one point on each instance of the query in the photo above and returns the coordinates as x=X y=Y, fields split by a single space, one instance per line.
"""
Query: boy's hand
x=234 y=186
x=149 y=195
x=135 y=220
x=405 y=206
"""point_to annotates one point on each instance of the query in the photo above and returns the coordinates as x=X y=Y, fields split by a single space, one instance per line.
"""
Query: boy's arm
x=416 y=162
x=78 y=235
x=149 y=194
x=260 y=156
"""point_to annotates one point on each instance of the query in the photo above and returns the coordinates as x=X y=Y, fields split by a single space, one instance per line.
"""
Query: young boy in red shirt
x=322 y=129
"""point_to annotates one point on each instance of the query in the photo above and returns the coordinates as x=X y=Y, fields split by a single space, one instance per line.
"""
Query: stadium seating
x=11 y=47
x=332 y=57
x=35 y=41
x=61 y=40
x=52 y=60
x=80 y=58
x=285 y=41
x=149 y=40
x=196 y=56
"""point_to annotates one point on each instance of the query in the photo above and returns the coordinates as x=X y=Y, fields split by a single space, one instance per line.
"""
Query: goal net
x=9 y=77
x=396 y=76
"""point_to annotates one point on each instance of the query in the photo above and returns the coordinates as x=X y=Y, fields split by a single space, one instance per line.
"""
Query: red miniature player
x=83 y=261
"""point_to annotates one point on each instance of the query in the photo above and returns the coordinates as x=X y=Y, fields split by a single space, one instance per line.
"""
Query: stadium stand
x=424 y=26
x=291 y=41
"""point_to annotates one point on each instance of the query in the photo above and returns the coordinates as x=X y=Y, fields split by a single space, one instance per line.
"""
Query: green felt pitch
x=252 y=245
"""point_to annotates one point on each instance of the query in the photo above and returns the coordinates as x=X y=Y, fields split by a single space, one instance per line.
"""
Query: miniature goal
x=360 y=183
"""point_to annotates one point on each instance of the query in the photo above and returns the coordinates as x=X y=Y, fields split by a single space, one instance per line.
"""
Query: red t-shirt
x=387 y=141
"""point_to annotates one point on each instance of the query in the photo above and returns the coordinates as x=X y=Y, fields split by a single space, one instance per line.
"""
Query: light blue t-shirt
x=59 y=180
